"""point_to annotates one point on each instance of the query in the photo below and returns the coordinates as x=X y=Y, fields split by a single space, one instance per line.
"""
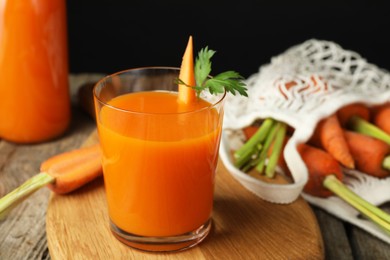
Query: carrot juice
x=34 y=98
x=159 y=174
x=159 y=161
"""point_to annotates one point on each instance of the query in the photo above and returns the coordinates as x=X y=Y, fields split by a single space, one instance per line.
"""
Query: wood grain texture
x=243 y=226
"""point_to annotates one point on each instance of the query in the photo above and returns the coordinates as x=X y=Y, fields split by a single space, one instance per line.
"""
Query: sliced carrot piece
x=187 y=95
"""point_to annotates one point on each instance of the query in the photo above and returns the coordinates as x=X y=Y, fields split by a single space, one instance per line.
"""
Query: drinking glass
x=159 y=158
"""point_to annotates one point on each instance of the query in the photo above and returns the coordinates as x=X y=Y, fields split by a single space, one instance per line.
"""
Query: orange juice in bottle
x=34 y=91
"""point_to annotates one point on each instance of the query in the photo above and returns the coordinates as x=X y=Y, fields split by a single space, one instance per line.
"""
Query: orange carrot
x=381 y=116
x=329 y=136
x=356 y=117
x=369 y=153
x=320 y=164
x=345 y=113
x=249 y=131
x=73 y=169
x=187 y=95
x=62 y=173
x=326 y=179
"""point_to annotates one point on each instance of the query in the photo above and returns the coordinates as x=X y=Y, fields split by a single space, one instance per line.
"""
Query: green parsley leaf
x=231 y=81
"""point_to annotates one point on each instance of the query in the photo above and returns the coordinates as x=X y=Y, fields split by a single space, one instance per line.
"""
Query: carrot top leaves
x=231 y=81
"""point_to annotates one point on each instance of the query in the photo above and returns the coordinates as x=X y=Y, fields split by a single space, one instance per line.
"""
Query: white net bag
x=303 y=85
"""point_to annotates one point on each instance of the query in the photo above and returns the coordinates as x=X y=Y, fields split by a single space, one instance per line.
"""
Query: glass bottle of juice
x=34 y=88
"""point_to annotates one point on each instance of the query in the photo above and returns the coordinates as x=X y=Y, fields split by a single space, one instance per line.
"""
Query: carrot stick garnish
x=187 y=95
x=62 y=173
x=194 y=78
x=329 y=136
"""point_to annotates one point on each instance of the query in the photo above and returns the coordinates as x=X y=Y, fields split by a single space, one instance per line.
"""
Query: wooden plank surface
x=23 y=234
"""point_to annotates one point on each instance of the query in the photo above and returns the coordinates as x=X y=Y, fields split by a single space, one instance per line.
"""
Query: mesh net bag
x=301 y=86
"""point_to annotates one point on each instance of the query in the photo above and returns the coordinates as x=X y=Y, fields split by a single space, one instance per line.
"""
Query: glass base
x=162 y=244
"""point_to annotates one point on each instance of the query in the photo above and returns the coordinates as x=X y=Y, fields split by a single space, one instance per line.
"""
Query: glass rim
x=105 y=78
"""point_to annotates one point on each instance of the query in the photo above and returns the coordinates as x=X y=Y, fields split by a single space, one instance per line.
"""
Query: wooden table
x=23 y=235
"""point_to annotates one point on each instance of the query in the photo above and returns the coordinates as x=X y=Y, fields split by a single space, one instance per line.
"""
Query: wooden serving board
x=244 y=226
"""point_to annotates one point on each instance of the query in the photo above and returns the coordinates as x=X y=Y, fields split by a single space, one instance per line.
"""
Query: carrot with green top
x=329 y=136
x=320 y=164
x=372 y=156
x=346 y=113
x=62 y=173
x=257 y=150
x=356 y=117
x=326 y=179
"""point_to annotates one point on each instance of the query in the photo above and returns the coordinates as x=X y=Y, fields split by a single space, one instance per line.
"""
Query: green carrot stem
x=276 y=151
x=378 y=216
x=360 y=125
x=386 y=163
x=260 y=163
x=256 y=139
x=247 y=156
x=16 y=196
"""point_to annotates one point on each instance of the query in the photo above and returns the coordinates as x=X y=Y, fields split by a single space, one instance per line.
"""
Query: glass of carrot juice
x=159 y=158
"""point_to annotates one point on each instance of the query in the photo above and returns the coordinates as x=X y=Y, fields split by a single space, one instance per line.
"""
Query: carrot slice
x=329 y=136
x=187 y=95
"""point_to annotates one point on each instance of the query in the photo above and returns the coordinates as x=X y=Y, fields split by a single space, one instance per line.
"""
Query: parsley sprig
x=231 y=81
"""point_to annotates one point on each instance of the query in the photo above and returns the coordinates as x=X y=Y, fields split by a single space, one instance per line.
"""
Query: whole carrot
x=329 y=136
x=346 y=113
x=356 y=117
x=73 y=169
x=320 y=164
x=325 y=179
x=381 y=116
x=62 y=173
x=369 y=153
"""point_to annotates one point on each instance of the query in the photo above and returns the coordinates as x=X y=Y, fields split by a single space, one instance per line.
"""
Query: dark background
x=112 y=35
